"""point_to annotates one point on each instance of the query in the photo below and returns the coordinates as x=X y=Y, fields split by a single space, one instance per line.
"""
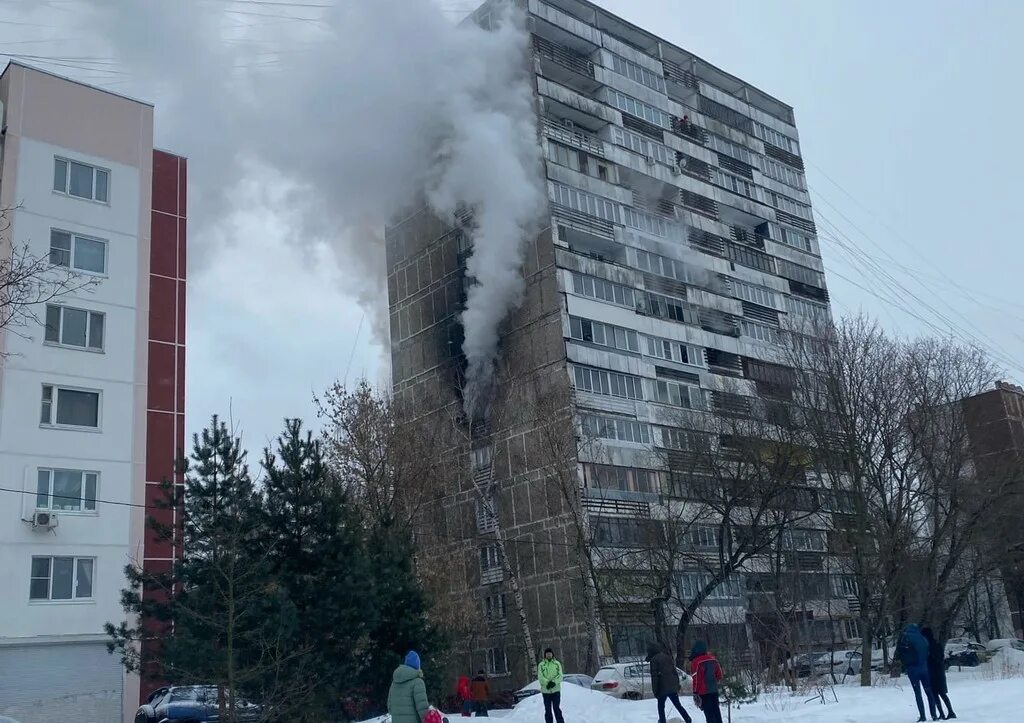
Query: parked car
x=994 y=646
x=846 y=662
x=632 y=681
x=191 y=703
x=583 y=681
x=968 y=654
x=803 y=663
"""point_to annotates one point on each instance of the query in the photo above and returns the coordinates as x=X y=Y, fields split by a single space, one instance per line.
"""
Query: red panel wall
x=165 y=407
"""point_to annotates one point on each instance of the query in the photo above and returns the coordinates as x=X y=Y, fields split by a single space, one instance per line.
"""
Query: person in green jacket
x=549 y=675
x=407 y=699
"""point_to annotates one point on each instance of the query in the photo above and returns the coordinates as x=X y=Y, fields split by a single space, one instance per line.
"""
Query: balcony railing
x=561 y=55
x=573 y=137
x=593 y=224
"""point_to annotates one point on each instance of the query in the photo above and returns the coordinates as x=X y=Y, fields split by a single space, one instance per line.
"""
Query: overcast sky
x=909 y=117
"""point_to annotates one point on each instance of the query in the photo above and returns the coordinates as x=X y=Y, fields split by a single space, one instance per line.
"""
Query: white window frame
x=604 y=334
x=616 y=428
x=74 y=580
x=637 y=73
x=807 y=309
x=604 y=290
x=796 y=239
x=656 y=347
x=497 y=662
x=643 y=146
x=675 y=394
x=756 y=294
x=84 y=498
x=54 y=403
x=486 y=516
x=73 y=251
x=629 y=104
x=89 y=322
x=584 y=202
x=643 y=221
x=761 y=332
x=66 y=190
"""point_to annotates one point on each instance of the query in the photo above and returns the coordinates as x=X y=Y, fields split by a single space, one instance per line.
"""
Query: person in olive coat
x=407 y=699
x=664 y=680
x=937 y=673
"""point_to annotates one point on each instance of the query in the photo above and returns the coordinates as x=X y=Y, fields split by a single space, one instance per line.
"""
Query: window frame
x=83 y=498
x=66 y=191
x=54 y=403
x=101 y=349
x=74 y=237
x=49 y=599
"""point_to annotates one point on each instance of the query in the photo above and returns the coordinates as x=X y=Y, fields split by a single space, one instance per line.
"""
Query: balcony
x=572 y=135
x=563 y=56
x=688 y=129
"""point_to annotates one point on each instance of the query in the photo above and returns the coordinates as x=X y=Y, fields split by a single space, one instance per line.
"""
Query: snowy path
x=974 y=699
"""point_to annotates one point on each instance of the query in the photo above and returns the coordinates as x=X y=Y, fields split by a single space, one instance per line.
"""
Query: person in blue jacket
x=912 y=651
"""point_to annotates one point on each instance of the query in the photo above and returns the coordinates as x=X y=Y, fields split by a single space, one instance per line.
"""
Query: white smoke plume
x=356 y=112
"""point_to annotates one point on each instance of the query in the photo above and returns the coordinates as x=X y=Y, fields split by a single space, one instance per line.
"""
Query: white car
x=1000 y=643
x=847 y=662
x=583 y=681
x=632 y=681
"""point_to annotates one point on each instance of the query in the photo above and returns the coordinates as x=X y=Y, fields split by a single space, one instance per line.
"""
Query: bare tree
x=29 y=281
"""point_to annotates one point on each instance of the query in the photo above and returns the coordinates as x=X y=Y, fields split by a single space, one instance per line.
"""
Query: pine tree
x=216 y=617
x=319 y=558
x=402 y=621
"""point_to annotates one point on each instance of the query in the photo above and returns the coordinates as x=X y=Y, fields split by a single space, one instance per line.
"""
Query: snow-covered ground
x=979 y=695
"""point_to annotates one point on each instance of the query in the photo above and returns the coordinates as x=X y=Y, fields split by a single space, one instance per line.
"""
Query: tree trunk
x=681 y=628
x=865 y=651
x=517 y=597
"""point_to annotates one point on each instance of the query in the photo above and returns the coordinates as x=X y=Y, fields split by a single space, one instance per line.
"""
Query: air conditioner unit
x=43 y=520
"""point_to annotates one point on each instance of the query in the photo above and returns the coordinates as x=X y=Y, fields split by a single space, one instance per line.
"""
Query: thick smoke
x=357 y=113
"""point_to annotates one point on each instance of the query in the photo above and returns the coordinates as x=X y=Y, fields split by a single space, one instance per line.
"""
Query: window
x=490 y=565
x=729 y=148
x=692 y=583
x=782 y=173
x=684 y=440
x=673 y=393
x=806 y=309
x=785 y=203
x=796 y=239
x=481 y=457
x=497 y=663
x=662 y=266
x=78 y=252
x=851 y=628
x=69 y=407
x=74 y=327
x=626 y=479
x=668 y=307
x=845 y=586
x=643 y=146
x=605 y=290
x=643 y=221
x=494 y=607
x=67 y=490
x=761 y=332
x=604 y=334
x=803 y=274
x=805 y=540
x=755 y=294
x=733 y=183
x=486 y=519
x=623 y=430
x=674 y=351
x=637 y=72
x=626 y=532
x=584 y=202
x=61 y=578
x=634 y=107
x=80 y=180
x=772 y=136
x=613 y=384
x=704 y=536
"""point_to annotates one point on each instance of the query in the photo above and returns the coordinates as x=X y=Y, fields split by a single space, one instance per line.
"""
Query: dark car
x=184 y=704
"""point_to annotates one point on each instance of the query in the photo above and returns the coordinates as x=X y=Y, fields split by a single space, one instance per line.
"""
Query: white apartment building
x=91 y=396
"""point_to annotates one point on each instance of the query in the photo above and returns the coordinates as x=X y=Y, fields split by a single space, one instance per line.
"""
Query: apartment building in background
x=995 y=426
x=91 y=396
x=679 y=253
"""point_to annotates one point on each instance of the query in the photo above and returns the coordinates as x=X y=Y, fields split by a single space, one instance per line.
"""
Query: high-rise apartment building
x=91 y=394
x=679 y=252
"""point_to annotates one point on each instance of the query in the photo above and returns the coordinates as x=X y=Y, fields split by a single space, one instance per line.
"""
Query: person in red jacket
x=706 y=673
x=465 y=695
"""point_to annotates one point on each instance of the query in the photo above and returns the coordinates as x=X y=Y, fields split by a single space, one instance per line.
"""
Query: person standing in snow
x=465 y=694
x=407 y=699
x=706 y=674
x=937 y=674
x=481 y=690
x=912 y=651
x=664 y=680
x=549 y=676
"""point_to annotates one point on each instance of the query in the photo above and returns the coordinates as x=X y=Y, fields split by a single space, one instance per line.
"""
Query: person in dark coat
x=913 y=654
x=706 y=674
x=481 y=691
x=937 y=674
x=664 y=680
